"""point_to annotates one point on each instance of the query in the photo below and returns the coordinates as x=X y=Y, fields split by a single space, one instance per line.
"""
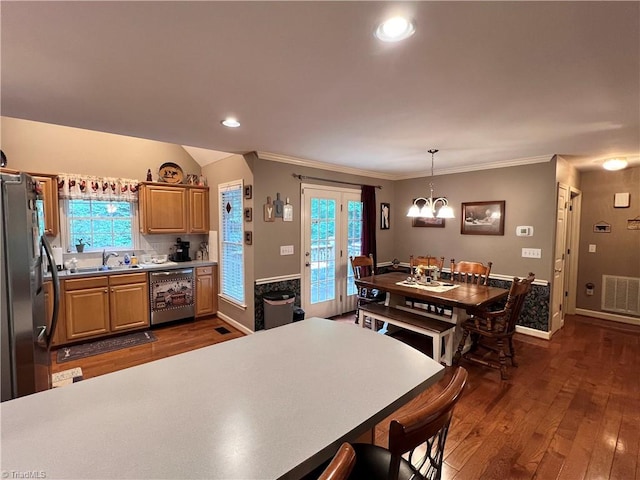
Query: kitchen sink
x=110 y=268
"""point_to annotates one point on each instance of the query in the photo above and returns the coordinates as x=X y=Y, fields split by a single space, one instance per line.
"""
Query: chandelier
x=428 y=210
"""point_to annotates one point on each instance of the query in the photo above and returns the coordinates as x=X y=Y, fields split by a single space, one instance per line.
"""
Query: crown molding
x=275 y=157
x=481 y=166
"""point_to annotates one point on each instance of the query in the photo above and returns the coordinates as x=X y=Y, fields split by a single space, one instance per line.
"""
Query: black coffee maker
x=182 y=251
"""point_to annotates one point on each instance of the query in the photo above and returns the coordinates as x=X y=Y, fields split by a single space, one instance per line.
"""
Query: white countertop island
x=274 y=404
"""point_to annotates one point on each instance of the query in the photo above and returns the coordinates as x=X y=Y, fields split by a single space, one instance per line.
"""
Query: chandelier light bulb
x=428 y=209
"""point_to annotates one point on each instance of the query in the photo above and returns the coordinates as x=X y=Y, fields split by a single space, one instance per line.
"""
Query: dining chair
x=420 y=433
x=490 y=330
x=362 y=266
x=342 y=464
x=427 y=261
x=470 y=272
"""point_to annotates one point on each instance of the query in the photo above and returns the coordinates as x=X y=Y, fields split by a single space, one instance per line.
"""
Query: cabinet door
x=49 y=187
x=164 y=209
x=198 y=210
x=86 y=312
x=204 y=295
x=129 y=306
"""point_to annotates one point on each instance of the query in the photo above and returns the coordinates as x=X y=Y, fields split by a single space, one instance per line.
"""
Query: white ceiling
x=487 y=83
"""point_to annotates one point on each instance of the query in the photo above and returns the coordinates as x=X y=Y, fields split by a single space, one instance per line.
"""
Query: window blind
x=231 y=241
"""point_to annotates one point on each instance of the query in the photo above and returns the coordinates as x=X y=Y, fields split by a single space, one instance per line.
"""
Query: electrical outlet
x=286 y=250
x=532 y=253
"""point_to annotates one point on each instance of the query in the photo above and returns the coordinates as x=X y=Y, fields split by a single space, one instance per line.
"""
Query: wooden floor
x=570 y=411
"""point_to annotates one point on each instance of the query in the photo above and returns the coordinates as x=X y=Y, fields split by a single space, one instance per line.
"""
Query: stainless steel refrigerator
x=26 y=334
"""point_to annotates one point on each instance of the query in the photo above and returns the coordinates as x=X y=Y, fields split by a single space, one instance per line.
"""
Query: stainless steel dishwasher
x=172 y=295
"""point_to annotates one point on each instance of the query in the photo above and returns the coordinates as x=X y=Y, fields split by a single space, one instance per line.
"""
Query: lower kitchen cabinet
x=129 y=301
x=206 y=290
x=97 y=306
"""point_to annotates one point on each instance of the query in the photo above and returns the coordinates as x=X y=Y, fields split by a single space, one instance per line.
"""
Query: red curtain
x=369 y=215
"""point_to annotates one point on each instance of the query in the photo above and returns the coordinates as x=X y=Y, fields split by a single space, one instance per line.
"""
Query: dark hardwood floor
x=571 y=410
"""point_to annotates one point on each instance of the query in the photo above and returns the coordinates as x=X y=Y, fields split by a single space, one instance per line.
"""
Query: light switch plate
x=532 y=253
x=286 y=249
x=592 y=248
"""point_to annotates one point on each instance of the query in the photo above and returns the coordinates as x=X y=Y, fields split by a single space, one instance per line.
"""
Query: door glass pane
x=323 y=249
x=354 y=239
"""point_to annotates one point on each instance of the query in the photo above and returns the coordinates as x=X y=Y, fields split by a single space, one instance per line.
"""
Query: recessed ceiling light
x=395 y=29
x=230 y=122
x=615 y=164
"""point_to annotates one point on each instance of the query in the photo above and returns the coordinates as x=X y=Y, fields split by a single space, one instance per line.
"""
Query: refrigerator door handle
x=41 y=339
x=56 y=292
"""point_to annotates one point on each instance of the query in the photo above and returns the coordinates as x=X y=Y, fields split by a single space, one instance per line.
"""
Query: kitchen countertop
x=147 y=267
x=275 y=404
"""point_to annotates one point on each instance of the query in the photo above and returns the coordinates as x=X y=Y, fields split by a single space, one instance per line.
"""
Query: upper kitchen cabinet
x=49 y=186
x=198 y=209
x=173 y=208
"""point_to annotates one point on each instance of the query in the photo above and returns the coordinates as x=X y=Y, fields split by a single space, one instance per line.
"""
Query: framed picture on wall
x=483 y=218
x=427 y=222
x=385 y=216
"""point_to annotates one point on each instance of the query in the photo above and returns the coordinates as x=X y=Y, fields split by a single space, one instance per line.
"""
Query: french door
x=331 y=232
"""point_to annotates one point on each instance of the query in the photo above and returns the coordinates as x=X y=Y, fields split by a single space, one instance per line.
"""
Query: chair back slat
x=426 y=261
x=470 y=272
x=362 y=265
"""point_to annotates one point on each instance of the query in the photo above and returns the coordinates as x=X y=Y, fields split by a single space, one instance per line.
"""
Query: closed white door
x=331 y=229
x=557 y=294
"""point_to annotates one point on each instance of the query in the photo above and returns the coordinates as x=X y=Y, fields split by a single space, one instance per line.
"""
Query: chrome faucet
x=106 y=256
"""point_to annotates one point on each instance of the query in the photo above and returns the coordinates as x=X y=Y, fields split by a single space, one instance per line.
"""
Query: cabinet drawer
x=204 y=270
x=125 y=278
x=89 y=282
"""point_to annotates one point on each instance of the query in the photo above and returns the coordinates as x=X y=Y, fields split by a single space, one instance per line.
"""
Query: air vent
x=621 y=294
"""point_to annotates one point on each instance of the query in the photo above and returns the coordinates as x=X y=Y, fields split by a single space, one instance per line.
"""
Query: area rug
x=66 y=354
x=66 y=377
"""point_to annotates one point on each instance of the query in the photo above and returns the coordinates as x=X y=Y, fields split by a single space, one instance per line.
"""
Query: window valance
x=77 y=186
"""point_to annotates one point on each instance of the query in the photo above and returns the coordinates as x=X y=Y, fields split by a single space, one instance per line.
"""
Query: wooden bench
x=436 y=329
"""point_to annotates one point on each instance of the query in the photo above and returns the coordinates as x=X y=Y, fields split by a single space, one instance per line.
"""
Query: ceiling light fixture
x=428 y=210
x=230 y=122
x=615 y=164
x=395 y=29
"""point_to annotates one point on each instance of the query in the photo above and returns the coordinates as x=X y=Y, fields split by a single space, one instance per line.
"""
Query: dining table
x=275 y=404
x=459 y=297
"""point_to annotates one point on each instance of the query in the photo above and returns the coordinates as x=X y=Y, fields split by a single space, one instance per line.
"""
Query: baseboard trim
x=532 y=332
x=608 y=316
x=234 y=323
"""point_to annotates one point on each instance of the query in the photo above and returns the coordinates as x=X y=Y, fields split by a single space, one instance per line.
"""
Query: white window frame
x=69 y=243
x=223 y=265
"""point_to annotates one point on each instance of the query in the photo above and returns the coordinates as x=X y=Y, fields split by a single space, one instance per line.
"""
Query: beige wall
x=275 y=177
x=567 y=173
x=618 y=252
x=46 y=148
x=223 y=171
x=529 y=193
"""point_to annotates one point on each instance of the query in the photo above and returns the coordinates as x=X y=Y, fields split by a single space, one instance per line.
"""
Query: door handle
x=307 y=264
x=557 y=270
x=41 y=338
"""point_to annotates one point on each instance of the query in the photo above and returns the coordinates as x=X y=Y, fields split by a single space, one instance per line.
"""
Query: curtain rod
x=305 y=177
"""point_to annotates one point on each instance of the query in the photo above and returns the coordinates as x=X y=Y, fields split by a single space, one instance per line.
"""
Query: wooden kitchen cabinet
x=98 y=306
x=198 y=210
x=128 y=301
x=49 y=186
x=206 y=290
x=86 y=302
x=173 y=208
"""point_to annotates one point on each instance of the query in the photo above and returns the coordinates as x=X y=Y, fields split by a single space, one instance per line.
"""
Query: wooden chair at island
x=342 y=464
x=420 y=433
x=362 y=266
x=492 y=332
x=470 y=272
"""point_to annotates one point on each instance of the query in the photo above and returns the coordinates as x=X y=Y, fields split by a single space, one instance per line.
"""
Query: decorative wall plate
x=171 y=173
